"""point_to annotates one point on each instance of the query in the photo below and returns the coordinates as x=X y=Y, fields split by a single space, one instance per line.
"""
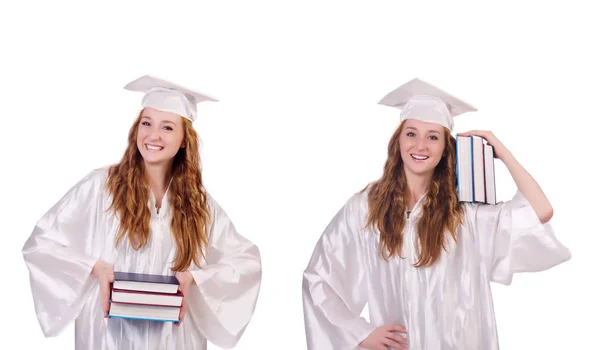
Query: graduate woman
x=150 y=213
x=421 y=259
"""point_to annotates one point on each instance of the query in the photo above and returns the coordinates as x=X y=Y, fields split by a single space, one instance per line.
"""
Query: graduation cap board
x=422 y=101
x=166 y=96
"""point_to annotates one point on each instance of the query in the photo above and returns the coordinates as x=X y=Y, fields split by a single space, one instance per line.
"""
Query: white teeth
x=419 y=157
x=154 y=148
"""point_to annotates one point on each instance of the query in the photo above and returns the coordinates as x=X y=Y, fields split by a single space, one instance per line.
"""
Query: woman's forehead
x=423 y=126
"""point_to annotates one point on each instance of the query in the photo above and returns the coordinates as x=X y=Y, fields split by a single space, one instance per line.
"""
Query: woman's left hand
x=500 y=151
x=185 y=279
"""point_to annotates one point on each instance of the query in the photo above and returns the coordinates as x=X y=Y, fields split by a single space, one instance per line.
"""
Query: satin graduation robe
x=447 y=306
x=68 y=240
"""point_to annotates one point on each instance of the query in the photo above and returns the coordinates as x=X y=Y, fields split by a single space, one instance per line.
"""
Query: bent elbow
x=546 y=215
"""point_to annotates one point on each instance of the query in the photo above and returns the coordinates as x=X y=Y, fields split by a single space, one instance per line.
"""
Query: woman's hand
x=386 y=337
x=105 y=273
x=500 y=151
x=185 y=281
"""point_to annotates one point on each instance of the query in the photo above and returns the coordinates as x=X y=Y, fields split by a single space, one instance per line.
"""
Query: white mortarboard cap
x=166 y=96
x=425 y=102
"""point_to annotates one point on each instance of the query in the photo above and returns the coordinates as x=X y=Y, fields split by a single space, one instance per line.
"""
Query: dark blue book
x=146 y=282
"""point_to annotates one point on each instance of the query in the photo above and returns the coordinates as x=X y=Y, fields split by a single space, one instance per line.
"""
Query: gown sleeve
x=512 y=239
x=55 y=255
x=223 y=299
x=334 y=286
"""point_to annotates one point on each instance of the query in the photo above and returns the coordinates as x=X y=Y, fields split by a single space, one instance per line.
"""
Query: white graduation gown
x=447 y=306
x=78 y=230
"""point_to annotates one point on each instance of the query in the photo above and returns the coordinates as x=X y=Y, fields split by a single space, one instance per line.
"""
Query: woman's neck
x=158 y=177
x=417 y=186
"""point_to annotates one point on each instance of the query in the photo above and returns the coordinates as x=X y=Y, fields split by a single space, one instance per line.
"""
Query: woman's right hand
x=105 y=273
x=386 y=337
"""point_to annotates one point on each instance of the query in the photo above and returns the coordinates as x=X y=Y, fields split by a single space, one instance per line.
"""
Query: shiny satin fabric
x=79 y=230
x=447 y=306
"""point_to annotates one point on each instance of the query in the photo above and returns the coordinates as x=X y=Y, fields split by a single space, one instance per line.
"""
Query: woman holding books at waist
x=421 y=259
x=148 y=214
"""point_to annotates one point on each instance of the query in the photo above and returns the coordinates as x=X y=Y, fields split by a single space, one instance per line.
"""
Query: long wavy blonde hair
x=441 y=214
x=130 y=194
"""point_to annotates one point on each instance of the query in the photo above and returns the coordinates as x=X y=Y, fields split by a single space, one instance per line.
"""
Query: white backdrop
x=298 y=129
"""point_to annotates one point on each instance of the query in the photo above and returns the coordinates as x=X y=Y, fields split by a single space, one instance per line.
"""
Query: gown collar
x=165 y=207
x=417 y=208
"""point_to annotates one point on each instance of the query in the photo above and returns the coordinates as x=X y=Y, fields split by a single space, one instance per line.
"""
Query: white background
x=298 y=129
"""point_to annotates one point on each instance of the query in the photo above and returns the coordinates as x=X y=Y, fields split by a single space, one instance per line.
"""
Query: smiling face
x=160 y=136
x=421 y=146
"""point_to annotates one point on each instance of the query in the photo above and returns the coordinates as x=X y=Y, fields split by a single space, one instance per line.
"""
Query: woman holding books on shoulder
x=418 y=257
x=148 y=214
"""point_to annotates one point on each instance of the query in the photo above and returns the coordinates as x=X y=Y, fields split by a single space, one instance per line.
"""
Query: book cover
x=144 y=312
x=147 y=278
x=490 y=175
x=464 y=169
x=146 y=282
x=478 y=166
x=146 y=298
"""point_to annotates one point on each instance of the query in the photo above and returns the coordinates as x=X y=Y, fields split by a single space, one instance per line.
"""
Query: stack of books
x=145 y=297
x=475 y=171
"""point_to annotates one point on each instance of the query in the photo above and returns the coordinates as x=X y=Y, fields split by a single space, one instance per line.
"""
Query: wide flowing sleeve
x=55 y=255
x=226 y=289
x=334 y=287
x=512 y=239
